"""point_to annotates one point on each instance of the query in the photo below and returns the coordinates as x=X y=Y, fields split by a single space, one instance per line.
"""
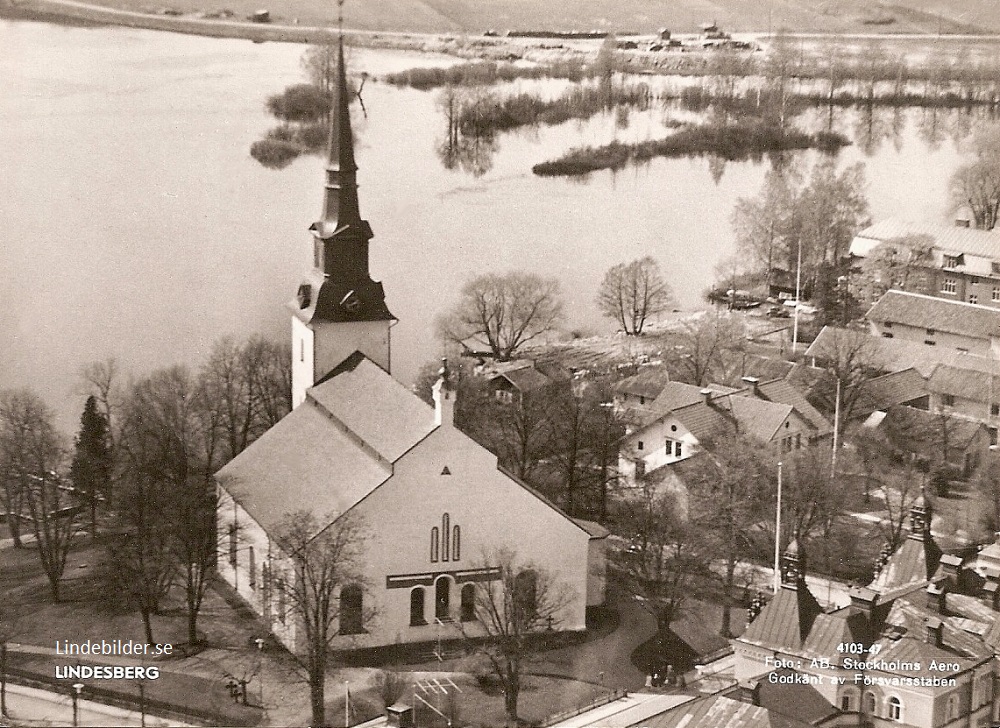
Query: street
x=31 y=706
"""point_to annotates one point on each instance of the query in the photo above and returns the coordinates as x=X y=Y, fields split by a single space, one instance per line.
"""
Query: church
x=357 y=443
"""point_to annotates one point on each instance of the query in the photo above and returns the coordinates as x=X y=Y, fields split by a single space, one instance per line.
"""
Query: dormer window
x=304 y=295
x=953 y=261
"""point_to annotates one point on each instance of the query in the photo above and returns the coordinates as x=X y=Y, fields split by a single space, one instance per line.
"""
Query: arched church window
x=252 y=567
x=417 y=607
x=445 y=530
x=351 y=606
x=468 y=602
x=870 y=703
x=435 y=544
x=442 y=598
x=526 y=595
x=952 y=707
x=232 y=545
x=456 y=543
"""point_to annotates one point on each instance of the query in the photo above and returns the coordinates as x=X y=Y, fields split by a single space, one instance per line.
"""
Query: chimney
x=754 y=384
x=864 y=600
x=937 y=595
x=951 y=566
x=444 y=397
x=991 y=591
x=749 y=692
x=934 y=628
x=706 y=395
x=399 y=715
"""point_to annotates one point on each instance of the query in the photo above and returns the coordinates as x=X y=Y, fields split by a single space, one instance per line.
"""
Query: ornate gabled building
x=435 y=507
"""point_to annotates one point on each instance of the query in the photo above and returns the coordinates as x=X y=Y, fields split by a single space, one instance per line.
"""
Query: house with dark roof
x=958 y=263
x=435 y=511
x=967 y=394
x=965 y=327
x=513 y=382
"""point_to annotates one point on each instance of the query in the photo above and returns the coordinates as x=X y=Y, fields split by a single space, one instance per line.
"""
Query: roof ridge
x=365 y=446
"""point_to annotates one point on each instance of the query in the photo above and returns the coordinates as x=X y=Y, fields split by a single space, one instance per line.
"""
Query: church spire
x=340 y=206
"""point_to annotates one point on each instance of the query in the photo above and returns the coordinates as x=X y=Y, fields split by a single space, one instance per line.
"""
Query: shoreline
x=462 y=44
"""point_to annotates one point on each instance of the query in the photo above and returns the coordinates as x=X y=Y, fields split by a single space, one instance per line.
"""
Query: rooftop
x=949 y=238
x=937 y=314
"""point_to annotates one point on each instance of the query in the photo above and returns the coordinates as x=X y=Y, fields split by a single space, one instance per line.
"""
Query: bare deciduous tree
x=633 y=292
x=977 y=183
x=702 y=345
x=32 y=452
x=504 y=311
x=523 y=601
x=664 y=556
x=322 y=562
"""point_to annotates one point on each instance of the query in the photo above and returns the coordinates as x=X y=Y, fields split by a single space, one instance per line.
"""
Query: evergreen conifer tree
x=92 y=462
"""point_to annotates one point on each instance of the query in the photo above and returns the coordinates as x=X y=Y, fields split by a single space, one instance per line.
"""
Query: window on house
x=994 y=409
x=435 y=544
x=948 y=400
x=895 y=708
x=996 y=293
x=456 y=543
x=952 y=707
x=639 y=445
x=642 y=399
x=351 y=606
x=442 y=598
x=973 y=298
x=930 y=342
x=468 y=612
x=870 y=703
x=232 y=545
x=930 y=332
x=952 y=261
x=886 y=335
x=847 y=702
x=678 y=449
x=973 y=281
x=252 y=567
x=993 y=435
x=417 y=607
x=949 y=285
x=995 y=267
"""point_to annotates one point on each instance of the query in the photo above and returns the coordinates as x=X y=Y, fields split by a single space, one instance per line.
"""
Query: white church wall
x=491 y=512
x=302 y=361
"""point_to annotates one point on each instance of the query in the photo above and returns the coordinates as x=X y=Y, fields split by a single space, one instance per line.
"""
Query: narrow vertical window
x=302 y=349
x=232 y=545
x=282 y=600
x=445 y=530
x=435 y=544
x=456 y=543
x=252 y=568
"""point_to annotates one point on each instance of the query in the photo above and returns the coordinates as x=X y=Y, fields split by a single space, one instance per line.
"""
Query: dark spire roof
x=340 y=206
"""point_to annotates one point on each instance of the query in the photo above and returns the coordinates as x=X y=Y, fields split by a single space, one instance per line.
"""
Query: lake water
x=136 y=225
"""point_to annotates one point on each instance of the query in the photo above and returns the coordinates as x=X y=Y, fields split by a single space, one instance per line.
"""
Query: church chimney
x=444 y=397
x=754 y=384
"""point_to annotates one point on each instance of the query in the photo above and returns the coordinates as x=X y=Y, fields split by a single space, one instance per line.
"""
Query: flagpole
x=836 y=431
x=777 y=536
x=347 y=703
x=798 y=301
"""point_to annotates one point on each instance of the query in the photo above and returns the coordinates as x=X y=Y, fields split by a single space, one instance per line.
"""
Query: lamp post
x=77 y=689
x=777 y=536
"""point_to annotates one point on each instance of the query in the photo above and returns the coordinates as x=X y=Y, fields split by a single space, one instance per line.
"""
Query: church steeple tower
x=338 y=309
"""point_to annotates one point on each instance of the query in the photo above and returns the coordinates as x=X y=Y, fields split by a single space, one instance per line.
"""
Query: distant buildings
x=954 y=262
